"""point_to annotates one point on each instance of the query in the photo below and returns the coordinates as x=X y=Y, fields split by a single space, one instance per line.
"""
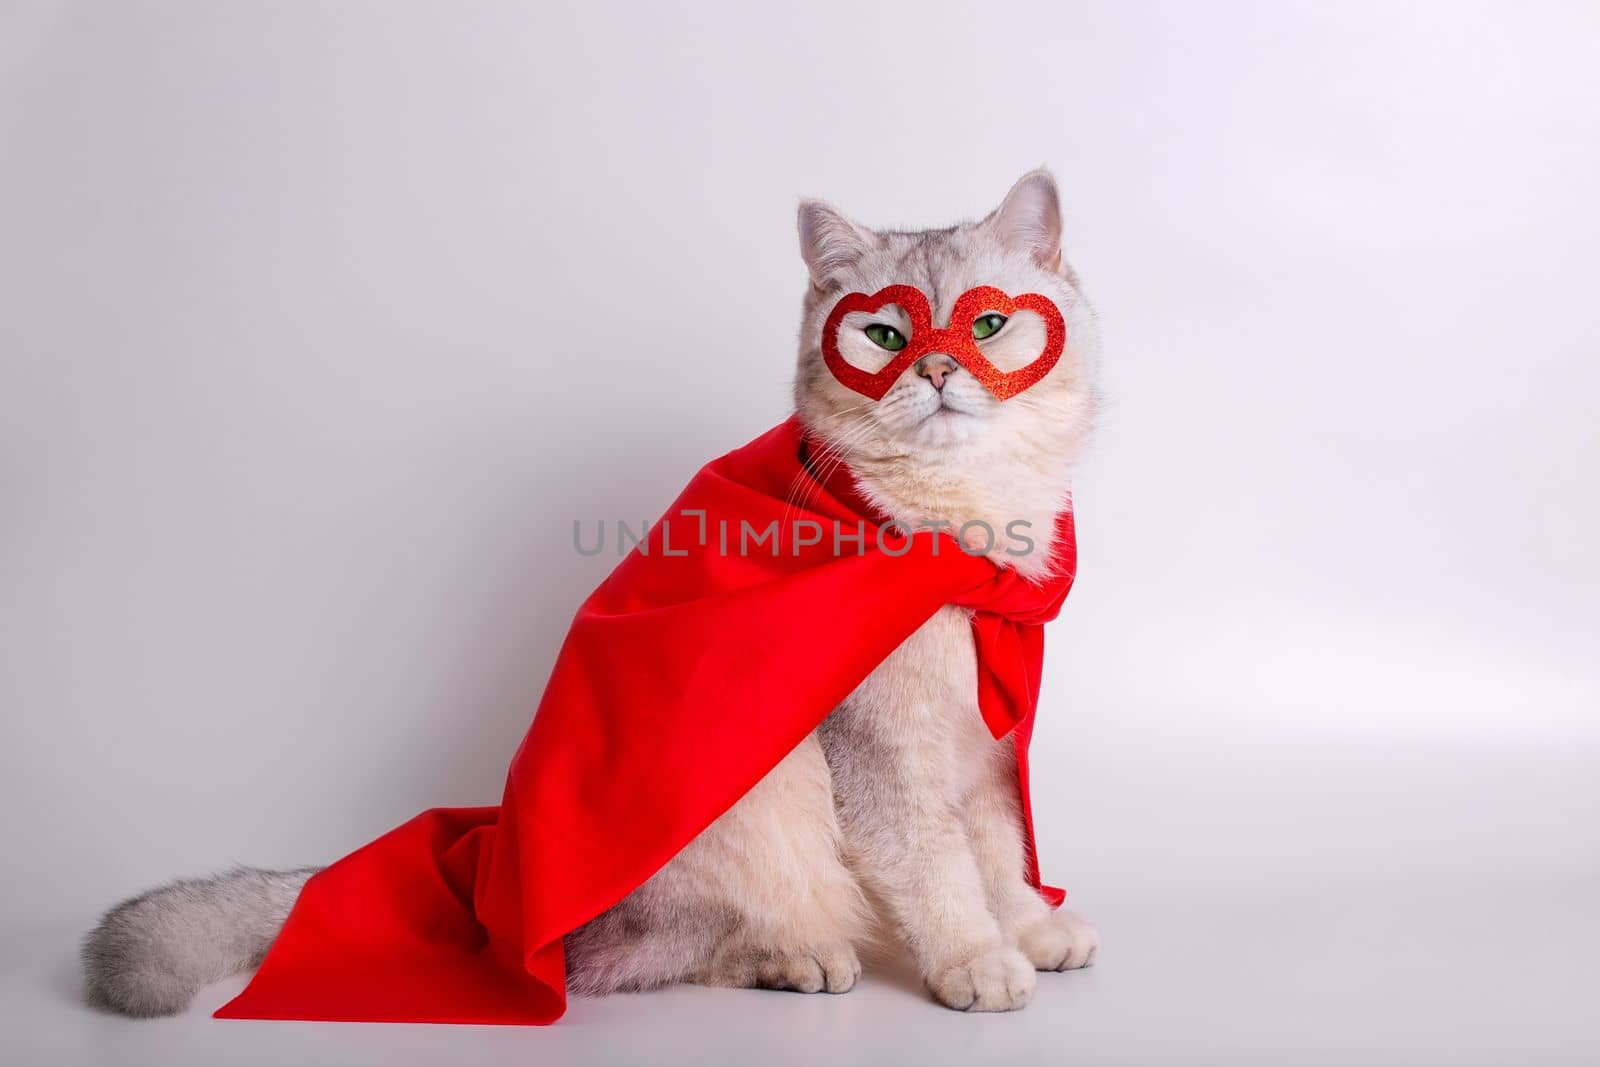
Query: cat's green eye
x=885 y=336
x=987 y=325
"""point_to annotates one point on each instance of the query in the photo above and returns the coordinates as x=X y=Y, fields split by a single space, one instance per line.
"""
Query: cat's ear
x=1030 y=219
x=829 y=242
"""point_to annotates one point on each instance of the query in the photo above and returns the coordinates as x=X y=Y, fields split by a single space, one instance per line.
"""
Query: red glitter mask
x=955 y=340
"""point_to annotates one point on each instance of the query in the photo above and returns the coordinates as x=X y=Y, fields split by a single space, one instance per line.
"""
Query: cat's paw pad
x=1062 y=941
x=833 y=969
x=1001 y=979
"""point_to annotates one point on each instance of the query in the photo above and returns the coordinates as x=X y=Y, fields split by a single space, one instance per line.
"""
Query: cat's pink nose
x=936 y=368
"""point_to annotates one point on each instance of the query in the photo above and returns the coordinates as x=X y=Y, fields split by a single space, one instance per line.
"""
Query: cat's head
x=937 y=412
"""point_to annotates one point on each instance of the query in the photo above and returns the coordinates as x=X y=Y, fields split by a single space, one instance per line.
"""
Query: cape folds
x=687 y=676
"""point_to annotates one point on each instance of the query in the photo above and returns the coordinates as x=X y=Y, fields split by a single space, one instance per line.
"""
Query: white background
x=321 y=323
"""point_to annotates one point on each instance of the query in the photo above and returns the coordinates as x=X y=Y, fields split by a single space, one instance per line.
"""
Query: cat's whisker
x=832 y=454
x=807 y=482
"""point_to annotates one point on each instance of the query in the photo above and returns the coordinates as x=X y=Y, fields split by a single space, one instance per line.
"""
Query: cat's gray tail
x=150 y=955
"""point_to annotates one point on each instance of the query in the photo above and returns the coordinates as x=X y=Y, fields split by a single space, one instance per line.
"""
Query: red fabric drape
x=686 y=677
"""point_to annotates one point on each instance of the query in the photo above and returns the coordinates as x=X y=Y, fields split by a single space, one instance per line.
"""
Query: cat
x=900 y=813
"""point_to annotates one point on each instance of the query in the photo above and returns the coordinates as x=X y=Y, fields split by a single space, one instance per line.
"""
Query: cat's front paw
x=1000 y=979
x=1061 y=941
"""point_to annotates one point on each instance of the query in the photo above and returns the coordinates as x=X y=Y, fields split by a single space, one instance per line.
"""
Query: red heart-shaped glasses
x=955 y=340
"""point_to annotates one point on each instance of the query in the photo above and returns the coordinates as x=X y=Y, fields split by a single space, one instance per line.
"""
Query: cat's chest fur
x=920 y=705
x=917 y=712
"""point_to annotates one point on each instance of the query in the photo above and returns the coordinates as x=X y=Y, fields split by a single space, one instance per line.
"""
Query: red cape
x=678 y=688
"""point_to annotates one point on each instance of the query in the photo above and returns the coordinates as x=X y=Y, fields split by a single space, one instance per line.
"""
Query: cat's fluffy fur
x=901 y=806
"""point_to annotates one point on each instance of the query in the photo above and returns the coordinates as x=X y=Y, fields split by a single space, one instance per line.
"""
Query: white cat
x=901 y=806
